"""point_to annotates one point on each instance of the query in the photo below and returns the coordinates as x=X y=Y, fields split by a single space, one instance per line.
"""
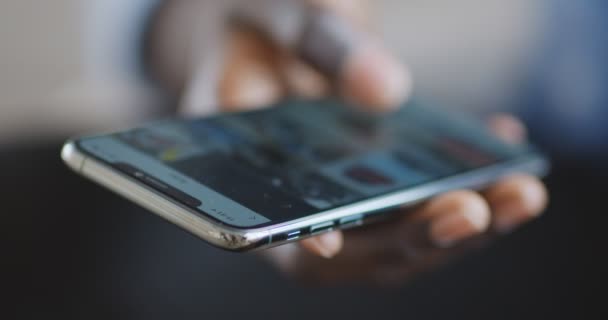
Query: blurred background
x=74 y=250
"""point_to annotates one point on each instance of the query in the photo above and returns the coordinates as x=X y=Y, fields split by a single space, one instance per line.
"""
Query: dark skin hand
x=255 y=70
x=415 y=239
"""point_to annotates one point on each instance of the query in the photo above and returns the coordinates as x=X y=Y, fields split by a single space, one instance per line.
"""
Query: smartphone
x=252 y=180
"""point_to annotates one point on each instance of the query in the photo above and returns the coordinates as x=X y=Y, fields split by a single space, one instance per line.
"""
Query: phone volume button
x=322 y=227
x=293 y=235
x=351 y=221
x=287 y=236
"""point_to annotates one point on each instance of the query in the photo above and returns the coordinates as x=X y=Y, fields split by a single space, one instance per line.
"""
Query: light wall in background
x=461 y=52
x=39 y=52
x=465 y=52
x=50 y=83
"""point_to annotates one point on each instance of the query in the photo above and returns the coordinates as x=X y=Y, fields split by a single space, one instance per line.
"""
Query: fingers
x=456 y=216
x=515 y=200
x=446 y=226
x=302 y=80
x=512 y=201
x=390 y=252
x=386 y=251
x=518 y=198
x=326 y=245
x=442 y=222
x=251 y=76
x=239 y=73
x=373 y=78
x=364 y=72
x=507 y=128
x=330 y=36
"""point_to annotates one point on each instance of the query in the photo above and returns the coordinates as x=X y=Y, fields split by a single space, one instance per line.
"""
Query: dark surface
x=74 y=250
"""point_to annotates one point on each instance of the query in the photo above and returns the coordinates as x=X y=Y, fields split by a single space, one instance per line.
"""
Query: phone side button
x=322 y=227
x=293 y=235
x=287 y=236
x=351 y=221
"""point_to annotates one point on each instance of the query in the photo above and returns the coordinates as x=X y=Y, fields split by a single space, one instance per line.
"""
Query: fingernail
x=374 y=78
x=254 y=88
x=448 y=229
x=329 y=244
x=397 y=84
x=515 y=208
x=509 y=217
x=508 y=128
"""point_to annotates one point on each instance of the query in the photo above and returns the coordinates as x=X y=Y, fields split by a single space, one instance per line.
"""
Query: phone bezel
x=238 y=239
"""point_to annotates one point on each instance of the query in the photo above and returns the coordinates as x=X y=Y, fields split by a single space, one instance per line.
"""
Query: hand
x=391 y=252
x=307 y=48
x=260 y=65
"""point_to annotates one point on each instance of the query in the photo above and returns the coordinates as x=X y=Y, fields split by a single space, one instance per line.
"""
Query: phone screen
x=297 y=158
